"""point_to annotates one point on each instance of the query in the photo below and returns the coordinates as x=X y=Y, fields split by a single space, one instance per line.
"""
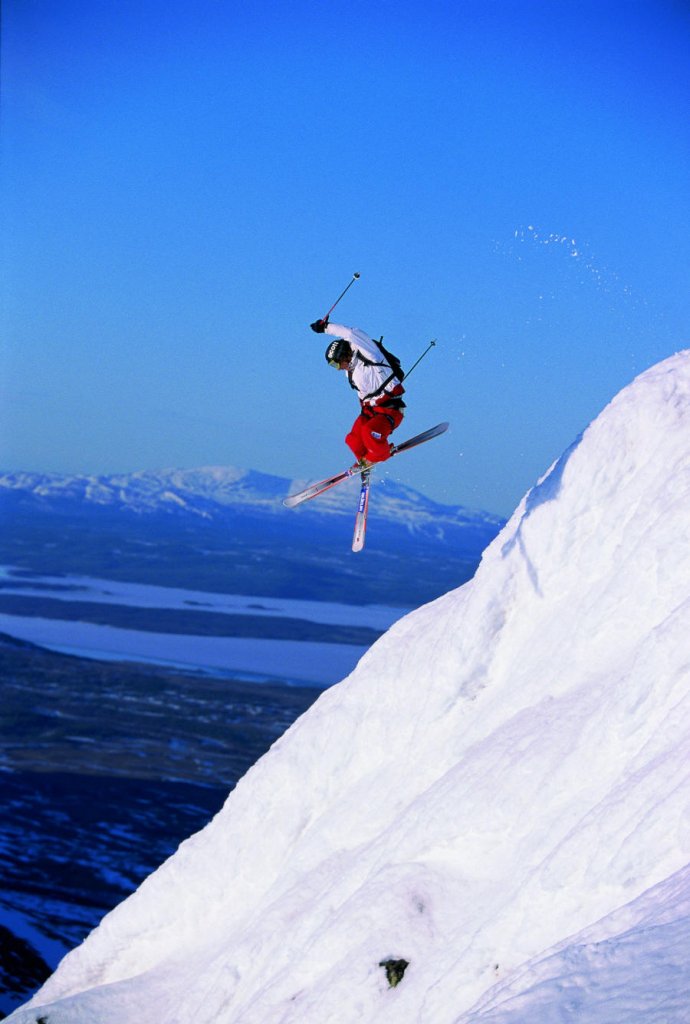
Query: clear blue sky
x=186 y=186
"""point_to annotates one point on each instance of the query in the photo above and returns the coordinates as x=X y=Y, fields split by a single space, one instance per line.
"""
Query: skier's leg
x=354 y=439
x=376 y=431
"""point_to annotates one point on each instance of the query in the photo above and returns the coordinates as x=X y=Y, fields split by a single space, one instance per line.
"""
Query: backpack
x=389 y=360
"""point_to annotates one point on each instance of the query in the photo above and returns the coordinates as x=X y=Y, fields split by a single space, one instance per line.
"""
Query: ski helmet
x=337 y=351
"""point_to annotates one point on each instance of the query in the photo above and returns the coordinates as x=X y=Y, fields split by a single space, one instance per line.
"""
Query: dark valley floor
x=107 y=767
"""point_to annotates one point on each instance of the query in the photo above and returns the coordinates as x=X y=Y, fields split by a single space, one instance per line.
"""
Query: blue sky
x=186 y=186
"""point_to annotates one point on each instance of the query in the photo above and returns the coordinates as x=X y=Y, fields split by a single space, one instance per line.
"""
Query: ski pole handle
x=355 y=277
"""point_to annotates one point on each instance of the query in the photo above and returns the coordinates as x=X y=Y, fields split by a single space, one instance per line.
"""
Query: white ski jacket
x=366 y=379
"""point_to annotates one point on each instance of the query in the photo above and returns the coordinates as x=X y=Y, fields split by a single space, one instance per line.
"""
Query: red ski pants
x=368 y=438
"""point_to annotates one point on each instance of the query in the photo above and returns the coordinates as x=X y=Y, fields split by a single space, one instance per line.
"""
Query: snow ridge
x=498 y=793
x=209 y=492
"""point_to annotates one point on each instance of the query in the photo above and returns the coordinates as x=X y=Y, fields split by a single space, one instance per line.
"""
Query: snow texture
x=498 y=794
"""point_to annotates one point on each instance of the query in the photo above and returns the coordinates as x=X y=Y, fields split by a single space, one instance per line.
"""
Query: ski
x=426 y=435
x=314 y=490
x=319 y=488
x=361 y=518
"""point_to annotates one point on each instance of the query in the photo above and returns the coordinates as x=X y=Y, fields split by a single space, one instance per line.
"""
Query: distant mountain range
x=225 y=529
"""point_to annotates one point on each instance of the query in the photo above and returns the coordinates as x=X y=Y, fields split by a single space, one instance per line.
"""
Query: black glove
x=319 y=325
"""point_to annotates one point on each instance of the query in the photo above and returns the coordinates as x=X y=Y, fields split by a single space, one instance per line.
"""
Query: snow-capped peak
x=209 y=491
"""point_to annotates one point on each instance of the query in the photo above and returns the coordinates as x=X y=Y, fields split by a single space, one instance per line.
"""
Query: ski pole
x=429 y=347
x=355 y=277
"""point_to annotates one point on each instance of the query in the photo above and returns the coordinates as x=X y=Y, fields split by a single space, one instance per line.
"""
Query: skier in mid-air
x=376 y=375
x=372 y=375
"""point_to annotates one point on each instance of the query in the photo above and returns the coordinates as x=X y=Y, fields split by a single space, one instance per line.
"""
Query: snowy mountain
x=226 y=529
x=494 y=804
x=209 y=492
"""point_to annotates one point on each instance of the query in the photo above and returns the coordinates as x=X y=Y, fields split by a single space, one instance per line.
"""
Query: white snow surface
x=499 y=793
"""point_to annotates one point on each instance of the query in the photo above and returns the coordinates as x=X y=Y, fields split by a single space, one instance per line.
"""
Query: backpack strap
x=382 y=387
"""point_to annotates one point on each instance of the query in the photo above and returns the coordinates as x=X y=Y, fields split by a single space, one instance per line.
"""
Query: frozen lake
x=255 y=658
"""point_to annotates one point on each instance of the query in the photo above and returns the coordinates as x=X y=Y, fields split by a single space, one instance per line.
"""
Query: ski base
x=361 y=519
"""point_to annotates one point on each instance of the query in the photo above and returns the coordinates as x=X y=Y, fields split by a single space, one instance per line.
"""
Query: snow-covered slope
x=498 y=794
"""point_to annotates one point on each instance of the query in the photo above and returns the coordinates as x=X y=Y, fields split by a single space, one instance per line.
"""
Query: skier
x=379 y=390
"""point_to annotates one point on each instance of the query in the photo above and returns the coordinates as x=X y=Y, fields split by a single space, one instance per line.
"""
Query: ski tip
x=440 y=428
